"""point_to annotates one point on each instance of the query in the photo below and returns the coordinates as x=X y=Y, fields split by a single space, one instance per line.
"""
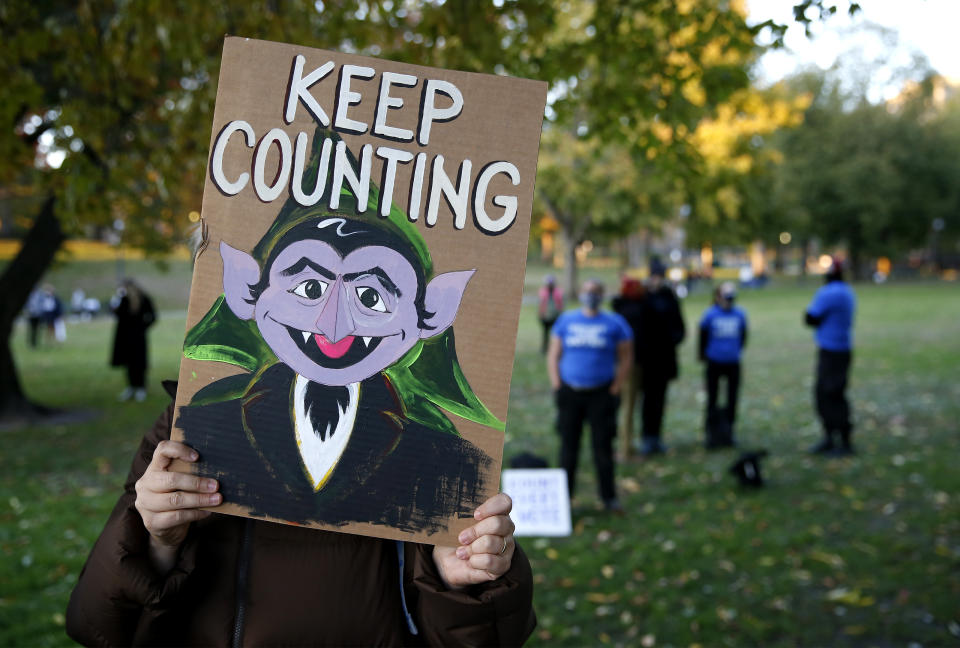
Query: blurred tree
x=642 y=76
x=730 y=194
x=875 y=178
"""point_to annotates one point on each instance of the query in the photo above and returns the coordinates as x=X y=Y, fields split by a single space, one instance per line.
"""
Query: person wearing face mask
x=663 y=331
x=588 y=361
x=723 y=335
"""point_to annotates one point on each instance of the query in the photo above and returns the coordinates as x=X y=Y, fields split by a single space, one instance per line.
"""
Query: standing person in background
x=831 y=314
x=588 y=361
x=549 y=307
x=629 y=305
x=663 y=330
x=52 y=314
x=134 y=312
x=34 y=316
x=723 y=336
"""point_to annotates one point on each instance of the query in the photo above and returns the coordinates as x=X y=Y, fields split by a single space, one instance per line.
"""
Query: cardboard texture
x=348 y=355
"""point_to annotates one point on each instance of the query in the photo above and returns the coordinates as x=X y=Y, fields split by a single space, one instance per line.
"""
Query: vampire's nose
x=335 y=321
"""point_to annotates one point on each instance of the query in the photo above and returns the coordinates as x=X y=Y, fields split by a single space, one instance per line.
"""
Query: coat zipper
x=243 y=568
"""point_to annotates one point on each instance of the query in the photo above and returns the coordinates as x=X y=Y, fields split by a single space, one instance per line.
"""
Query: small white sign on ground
x=541 y=503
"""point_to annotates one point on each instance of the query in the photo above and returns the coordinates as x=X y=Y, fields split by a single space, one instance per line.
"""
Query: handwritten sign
x=353 y=312
x=541 y=504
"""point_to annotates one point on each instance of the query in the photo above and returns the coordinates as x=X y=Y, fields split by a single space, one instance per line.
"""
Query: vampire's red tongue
x=333 y=349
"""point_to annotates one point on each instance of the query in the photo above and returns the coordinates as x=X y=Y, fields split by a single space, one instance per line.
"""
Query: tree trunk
x=569 y=262
x=21 y=274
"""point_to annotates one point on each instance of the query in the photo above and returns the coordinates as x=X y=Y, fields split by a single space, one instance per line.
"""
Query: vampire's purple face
x=339 y=320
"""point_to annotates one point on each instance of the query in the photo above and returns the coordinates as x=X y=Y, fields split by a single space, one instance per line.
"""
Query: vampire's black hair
x=345 y=236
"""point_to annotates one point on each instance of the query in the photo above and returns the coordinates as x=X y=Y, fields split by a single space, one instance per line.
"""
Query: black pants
x=654 y=400
x=599 y=407
x=136 y=376
x=833 y=367
x=547 y=324
x=720 y=420
x=34 y=327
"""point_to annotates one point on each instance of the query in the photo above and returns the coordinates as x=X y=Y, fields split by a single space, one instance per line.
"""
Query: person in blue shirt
x=831 y=313
x=723 y=336
x=588 y=361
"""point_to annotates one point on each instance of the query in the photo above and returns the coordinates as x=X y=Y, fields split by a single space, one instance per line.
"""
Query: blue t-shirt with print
x=589 y=356
x=725 y=333
x=834 y=304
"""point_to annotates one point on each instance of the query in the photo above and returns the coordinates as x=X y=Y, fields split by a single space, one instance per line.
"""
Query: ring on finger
x=503 y=548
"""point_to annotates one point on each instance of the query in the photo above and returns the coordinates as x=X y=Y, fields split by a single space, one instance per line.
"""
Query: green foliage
x=871 y=177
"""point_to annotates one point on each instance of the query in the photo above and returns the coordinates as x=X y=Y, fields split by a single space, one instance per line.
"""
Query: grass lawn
x=855 y=552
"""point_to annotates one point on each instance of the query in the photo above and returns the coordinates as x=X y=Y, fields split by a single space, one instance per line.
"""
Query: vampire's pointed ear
x=442 y=299
x=240 y=271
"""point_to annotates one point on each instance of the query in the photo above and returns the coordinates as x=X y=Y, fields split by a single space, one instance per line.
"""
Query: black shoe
x=613 y=506
x=845 y=449
x=652 y=446
x=826 y=446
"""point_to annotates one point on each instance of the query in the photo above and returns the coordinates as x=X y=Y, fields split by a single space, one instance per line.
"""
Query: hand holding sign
x=486 y=548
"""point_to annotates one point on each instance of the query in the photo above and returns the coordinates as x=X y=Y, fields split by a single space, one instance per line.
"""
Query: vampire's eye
x=310 y=289
x=371 y=299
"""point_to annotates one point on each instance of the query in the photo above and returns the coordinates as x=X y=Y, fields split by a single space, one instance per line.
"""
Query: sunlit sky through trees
x=928 y=27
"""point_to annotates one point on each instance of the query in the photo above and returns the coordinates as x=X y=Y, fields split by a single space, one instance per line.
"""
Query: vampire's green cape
x=427 y=379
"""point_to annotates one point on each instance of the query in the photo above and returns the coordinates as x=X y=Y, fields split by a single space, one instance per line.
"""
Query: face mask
x=591 y=300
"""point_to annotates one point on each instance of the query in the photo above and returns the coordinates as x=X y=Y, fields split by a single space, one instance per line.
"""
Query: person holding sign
x=349 y=203
x=165 y=572
x=588 y=361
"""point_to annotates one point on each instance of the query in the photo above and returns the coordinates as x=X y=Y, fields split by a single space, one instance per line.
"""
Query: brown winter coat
x=246 y=582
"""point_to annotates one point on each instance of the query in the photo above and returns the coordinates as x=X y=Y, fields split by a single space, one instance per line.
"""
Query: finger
x=499 y=525
x=489 y=544
x=499 y=504
x=160 y=522
x=167 y=451
x=494 y=566
x=164 y=481
x=162 y=502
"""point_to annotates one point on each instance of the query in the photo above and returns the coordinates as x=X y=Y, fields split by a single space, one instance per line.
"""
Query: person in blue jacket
x=831 y=313
x=723 y=336
x=588 y=361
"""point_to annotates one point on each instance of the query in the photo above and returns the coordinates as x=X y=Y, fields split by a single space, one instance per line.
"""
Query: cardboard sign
x=541 y=503
x=354 y=308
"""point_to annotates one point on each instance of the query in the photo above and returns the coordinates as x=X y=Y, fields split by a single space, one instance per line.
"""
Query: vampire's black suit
x=393 y=471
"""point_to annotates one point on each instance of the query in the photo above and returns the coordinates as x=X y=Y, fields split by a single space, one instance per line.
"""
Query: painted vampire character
x=348 y=339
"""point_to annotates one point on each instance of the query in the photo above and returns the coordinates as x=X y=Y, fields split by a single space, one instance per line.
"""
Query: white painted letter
x=216 y=164
x=416 y=187
x=299 y=160
x=299 y=90
x=430 y=111
x=392 y=156
x=343 y=170
x=458 y=196
x=347 y=97
x=265 y=193
x=509 y=203
x=385 y=102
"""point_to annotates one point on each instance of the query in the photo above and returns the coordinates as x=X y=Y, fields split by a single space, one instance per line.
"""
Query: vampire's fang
x=306 y=336
x=366 y=340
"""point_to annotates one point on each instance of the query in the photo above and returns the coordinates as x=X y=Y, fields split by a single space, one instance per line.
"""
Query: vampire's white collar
x=320 y=455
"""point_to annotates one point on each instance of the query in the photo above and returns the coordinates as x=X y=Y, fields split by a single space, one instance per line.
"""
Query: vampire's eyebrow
x=304 y=262
x=377 y=272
